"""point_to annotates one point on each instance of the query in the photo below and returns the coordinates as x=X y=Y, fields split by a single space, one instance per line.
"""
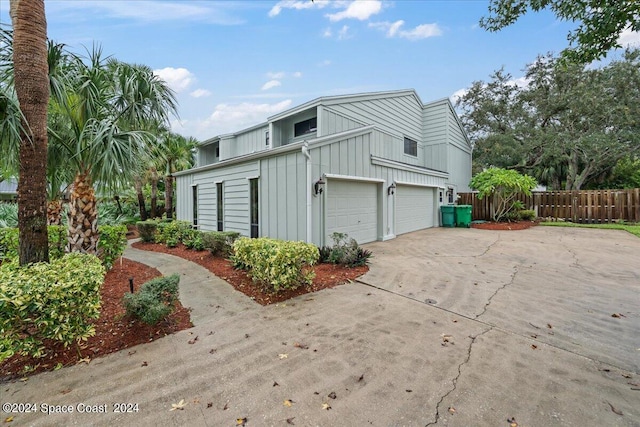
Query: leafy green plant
x=345 y=251
x=219 y=242
x=48 y=301
x=172 y=232
x=147 y=230
x=504 y=186
x=8 y=215
x=276 y=264
x=193 y=240
x=113 y=240
x=528 y=214
x=154 y=300
x=8 y=244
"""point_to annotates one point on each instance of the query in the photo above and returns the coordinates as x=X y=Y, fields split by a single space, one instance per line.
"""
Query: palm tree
x=176 y=153
x=101 y=118
x=31 y=83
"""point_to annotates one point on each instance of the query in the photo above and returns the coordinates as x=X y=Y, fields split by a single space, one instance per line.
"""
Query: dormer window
x=305 y=127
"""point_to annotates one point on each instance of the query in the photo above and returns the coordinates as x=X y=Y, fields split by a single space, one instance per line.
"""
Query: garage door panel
x=414 y=208
x=352 y=209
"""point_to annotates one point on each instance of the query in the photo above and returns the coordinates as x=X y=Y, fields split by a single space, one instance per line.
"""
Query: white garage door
x=352 y=209
x=414 y=208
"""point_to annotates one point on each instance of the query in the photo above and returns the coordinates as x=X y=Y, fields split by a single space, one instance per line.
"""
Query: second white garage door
x=414 y=208
x=352 y=208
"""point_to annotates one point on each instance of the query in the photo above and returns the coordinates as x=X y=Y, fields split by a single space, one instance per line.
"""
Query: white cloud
x=200 y=93
x=458 y=94
x=520 y=82
x=629 y=38
x=327 y=33
x=343 y=34
x=178 y=79
x=394 y=29
x=276 y=75
x=228 y=118
x=324 y=63
x=212 y=12
x=297 y=5
x=271 y=84
x=358 y=9
x=297 y=74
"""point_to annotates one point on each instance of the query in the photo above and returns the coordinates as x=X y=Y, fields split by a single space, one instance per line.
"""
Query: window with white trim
x=306 y=126
x=410 y=147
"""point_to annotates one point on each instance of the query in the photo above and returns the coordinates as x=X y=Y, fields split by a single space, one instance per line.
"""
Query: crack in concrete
x=469 y=256
x=486 y=306
x=457 y=377
x=488 y=248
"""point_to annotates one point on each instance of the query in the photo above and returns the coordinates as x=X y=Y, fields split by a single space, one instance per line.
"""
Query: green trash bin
x=448 y=216
x=463 y=215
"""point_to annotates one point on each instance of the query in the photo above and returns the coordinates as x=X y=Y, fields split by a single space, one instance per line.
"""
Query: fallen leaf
x=613 y=409
x=288 y=403
x=332 y=395
x=512 y=422
x=209 y=405
x=196 y=400
x=275 y=384
x=283 y=355
x=144 y=364
x=452 y=410
x=615 y=315
x=213 y=350
x=446 y=338
x=24 y=380
x=85 y=360
x=302 y=346
x=549 y=326
x=180 y=405
x=316 y=393
x=193 y=341
x=241 y=421
x=627 y=376
x=226 y=406
x=211 y=333
x=8 y=419
x=533 y=346
x=361 y=378
x=246 y=335
x=132 y=352
x=326 y=406
x=65 y=391
x=290 y=421
x=534 y=336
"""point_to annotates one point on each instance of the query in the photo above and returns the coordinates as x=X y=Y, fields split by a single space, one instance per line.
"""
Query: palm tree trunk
x=137 y=183
x=31 y=80
x=168 y=195
x=154 y=193
x=83 y=216
x=54 y=212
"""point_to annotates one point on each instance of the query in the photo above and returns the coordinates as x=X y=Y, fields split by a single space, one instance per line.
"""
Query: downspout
x=305 y=152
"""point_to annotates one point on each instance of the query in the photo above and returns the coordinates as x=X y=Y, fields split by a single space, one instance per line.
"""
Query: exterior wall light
x=318 y=186
x=392 y=189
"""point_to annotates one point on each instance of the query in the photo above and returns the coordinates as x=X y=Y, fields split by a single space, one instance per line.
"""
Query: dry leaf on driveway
x=180 y=405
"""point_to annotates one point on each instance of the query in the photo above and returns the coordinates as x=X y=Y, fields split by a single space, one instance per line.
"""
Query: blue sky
x=233 y=64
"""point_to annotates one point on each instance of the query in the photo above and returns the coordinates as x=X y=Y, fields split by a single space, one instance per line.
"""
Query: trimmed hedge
x=276 y=264
x=113 y=241
x=220 y=242
x=172 y=233
x=147 y=230
x=48 y=301
x=154 y=300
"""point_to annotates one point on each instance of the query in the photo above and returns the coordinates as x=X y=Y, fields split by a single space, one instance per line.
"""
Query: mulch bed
x=518 y=225
x=327 y=275
x=114 y=331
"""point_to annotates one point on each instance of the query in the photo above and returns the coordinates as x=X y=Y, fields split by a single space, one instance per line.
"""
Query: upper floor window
x=305 y=127
x=266 y=138
x=217 y=151
x=410 y=147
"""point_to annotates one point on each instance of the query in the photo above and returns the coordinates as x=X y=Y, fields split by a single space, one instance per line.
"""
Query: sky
x=233 y=64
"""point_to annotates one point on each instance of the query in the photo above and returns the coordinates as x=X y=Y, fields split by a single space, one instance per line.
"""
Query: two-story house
x=372 y=165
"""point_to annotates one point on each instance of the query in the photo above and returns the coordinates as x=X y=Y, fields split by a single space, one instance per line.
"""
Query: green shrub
x=8 y=244
x=193 y=240
x=8 y=215
x=147 y=230
x=113 y=240
x=57 y=240
x=276 y=264
x=48 y=301
x=172 y=233
x=220 y=242
x=325 y=253
x=345 y=251
x=527 y=214
x=154 y=300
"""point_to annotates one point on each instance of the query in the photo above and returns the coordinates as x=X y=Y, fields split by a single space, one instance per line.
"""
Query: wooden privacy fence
x=581 y=206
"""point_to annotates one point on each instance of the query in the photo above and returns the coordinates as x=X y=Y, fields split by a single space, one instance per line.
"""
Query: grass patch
x=631 y=228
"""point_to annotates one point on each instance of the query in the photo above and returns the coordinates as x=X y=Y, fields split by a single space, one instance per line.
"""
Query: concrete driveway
x=456 y=327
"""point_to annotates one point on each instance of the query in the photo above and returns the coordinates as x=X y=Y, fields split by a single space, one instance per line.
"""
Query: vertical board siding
x=333 y=122
x=184 y=206
x=251 y=141
x=434 y=128
x=459 y=168
x=236 y=196
x=580 y=206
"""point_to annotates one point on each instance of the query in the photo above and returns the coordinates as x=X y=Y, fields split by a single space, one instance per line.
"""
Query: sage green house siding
x=370 y=187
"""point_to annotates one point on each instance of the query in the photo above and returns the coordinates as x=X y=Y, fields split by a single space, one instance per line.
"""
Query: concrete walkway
x=436 y=335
